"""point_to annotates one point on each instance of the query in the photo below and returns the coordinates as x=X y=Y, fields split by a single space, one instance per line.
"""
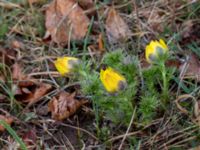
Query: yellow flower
x=65 y=65
x=112 y=80
x=155 y=49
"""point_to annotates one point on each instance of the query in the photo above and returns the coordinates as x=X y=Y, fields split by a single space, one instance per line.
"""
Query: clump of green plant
x=110 y=102
x=155 y=92
x=118 y=106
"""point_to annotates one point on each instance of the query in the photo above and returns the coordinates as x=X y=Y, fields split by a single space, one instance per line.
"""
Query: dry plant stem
x=182 y=72
x=53 y=73
x=83 y=148
x=9 y=5
x=70 y=126
x=80 y=129
x=177 y=137
x=129 y=126
x=183 y=141
x=184 y=97
x=133 y=133
x=176 y=134
x=67 y=142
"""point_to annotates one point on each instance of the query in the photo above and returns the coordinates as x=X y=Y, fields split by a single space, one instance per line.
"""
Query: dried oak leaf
x=28 y=90
x=65 y=20
x=191 y=68
x=7 y=119
x=64 y=105
x=116 y=28
x=35 y=95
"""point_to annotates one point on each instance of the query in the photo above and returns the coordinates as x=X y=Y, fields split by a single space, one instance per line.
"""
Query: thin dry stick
x=136 y=11
x=129 y=126
x=45 y=128
x=132 y=133
x=183 y=141
x=81 y=129
x=83 y=148
x=70 y=126
x=170 y=135
x=184 y=97
x=9 y=5
x=54 y=81
x=182 y=72
x=67 y=141
x=44 y=73
x=15 y=26
x=121 y=136
x=176 y=138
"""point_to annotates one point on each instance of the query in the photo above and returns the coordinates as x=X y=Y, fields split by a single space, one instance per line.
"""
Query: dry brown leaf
x=116 y=28
x=7 y=56
x=16 y=44
x=7 y=119
x=64 y=105
x=17 y=72
x=26 y=89
x=86 y=4
x=154 y=18
x=101 y=43
x=28 y=82
x=31 y=92
x=65 y=20
x=191 y=68
x=190 y=32
x=38 y=93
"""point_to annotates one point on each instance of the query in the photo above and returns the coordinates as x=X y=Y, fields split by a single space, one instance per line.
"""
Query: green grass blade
x=14 y=134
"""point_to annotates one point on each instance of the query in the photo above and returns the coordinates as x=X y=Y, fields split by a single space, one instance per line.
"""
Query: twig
x=132 y=133
x=81 y=129
x=129 y=126
x=9 y=5
x=44 y=73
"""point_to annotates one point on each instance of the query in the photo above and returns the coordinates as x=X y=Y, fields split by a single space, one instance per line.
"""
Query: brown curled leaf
x=64 y=105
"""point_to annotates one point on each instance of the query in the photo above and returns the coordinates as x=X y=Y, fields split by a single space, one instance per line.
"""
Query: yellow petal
x=163 y=44
x=148 y=52
x=112 y=80
x=153 y=49
x=64 y=65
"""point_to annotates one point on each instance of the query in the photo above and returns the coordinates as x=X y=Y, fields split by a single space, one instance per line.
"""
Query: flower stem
x=165 y=84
